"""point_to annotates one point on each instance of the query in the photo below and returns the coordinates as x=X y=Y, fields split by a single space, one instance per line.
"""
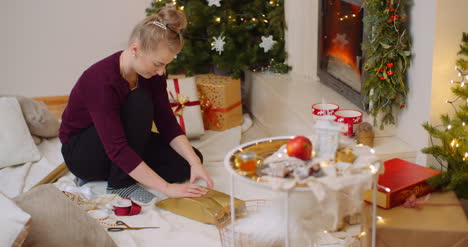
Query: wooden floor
x=55 y=104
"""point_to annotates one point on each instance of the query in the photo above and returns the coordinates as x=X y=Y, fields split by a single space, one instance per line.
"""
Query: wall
x=301 y=36
x=49 y=43
x=422 y=28
x=436 y=28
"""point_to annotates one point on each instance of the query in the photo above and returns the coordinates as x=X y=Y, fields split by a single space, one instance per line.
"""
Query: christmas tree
x=230 y=35
x=452 y=153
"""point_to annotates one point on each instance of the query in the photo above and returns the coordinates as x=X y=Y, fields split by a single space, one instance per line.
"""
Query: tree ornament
x=218 y=44
x=214 y=2
x=267 y=43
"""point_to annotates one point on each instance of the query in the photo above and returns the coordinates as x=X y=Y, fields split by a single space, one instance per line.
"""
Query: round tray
x=263 y=148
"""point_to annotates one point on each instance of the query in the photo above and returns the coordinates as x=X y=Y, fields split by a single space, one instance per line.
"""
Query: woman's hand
x=199 y=171
x=185 y=190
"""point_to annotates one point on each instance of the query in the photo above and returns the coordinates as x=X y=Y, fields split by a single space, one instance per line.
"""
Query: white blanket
x=177 y=230
x=21 y=178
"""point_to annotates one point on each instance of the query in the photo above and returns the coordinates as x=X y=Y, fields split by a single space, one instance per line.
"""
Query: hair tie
x=159 y=24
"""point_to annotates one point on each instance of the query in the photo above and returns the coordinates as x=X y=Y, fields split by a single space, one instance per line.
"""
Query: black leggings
x=85 y=157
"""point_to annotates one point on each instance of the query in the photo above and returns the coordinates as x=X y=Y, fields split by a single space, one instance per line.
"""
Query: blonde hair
x=166 y=25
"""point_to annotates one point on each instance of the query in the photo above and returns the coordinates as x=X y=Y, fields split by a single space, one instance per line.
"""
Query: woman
x=106 y=127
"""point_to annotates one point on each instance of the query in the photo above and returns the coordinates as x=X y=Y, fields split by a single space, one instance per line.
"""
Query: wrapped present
x=440 y=221
x=184 y=101
x=210 y=208
x=401 y=180
x=221 y=103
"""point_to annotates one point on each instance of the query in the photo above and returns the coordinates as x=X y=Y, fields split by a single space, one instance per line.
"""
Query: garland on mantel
x=387 y=49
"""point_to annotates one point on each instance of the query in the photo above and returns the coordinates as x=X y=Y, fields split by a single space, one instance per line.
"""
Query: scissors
x=127 y=227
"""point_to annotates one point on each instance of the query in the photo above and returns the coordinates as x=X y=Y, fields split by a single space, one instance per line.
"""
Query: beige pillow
x=41 y=122
x=57 y=221
x=16 y=144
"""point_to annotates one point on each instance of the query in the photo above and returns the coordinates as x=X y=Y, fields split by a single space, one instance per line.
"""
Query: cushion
x=40 y=120
x=14 y=222
x=57 y=221
x=16 y=145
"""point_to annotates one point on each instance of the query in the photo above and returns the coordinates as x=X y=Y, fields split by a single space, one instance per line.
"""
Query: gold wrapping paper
x=220 y=98
x=210 y=208
x=431 y=226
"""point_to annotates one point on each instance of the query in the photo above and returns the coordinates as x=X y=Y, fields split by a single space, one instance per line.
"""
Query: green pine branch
x=387 y=53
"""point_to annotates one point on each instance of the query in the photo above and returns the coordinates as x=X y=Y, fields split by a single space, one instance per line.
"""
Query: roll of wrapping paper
x=210 y=208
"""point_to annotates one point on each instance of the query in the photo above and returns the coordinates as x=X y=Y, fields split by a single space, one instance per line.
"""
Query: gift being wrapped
x=439 y=221
x=184 y=101
x=210 y=208
x=221 y=103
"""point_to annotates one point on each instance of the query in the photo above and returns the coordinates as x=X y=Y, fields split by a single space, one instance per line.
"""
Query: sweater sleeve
x=164 y=118
x=104 y=108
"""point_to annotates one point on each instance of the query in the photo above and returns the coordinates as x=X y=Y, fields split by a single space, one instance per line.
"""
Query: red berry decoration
x=382 y=78
x=299 y=147
x=389 y=65
x=389 y=72
x=392 y=9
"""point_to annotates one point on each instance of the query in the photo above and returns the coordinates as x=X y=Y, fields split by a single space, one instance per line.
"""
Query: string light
x=449 y=126
x=453 y=143
x=217 y=19
x=181 y=7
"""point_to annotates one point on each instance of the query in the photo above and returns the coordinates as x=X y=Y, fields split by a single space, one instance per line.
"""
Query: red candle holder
x=323 y=109
x=348 y=119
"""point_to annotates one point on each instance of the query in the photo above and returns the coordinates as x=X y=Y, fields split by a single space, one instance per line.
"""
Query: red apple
x=299 y=147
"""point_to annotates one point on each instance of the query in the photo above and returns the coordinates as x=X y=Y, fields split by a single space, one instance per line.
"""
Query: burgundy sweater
x=96 y=100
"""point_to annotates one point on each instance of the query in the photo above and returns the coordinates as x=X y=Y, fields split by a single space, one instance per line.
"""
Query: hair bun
x=173 y=18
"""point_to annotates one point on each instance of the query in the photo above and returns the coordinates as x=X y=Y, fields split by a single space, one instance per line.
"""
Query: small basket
x=242 y=239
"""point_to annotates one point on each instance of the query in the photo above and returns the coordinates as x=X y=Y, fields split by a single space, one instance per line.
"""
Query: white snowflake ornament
x=267 y=43
x=214 y=2
x=218 y=44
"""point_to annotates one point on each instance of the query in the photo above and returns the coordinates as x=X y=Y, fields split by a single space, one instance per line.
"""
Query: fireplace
x=339 y=47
